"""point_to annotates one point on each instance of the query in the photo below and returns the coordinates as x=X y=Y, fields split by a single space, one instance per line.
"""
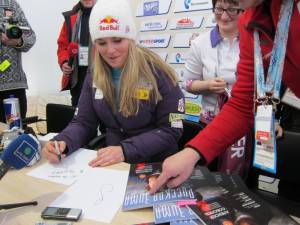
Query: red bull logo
x=109 y=23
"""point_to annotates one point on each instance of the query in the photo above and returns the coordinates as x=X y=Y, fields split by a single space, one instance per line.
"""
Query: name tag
x=83 y=56
x=265 y=139
x=175 y=117
x=4 y=65
x=98 y=94
x=263 y=122
x=142 y=94
x=177 y=124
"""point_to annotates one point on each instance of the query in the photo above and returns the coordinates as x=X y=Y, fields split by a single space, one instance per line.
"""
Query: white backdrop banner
x=155 y=41
x=183 y=40
x=153 y=25
x=177 y=58
x=186 y=22
x=210 y=21
x=153 y=7
x=192 y=5
x=162 y=55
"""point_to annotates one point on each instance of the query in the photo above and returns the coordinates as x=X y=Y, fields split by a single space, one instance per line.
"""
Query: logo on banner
x=151 y=8
x=153 y=25
x=154 y=41
x=109 y=23
x=184 y=23
x=187 y=3
x=178 y=57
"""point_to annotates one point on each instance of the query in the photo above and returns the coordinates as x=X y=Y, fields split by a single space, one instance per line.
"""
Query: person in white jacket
x=212 y=60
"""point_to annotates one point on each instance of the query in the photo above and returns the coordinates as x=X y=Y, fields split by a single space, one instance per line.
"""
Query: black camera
x=11 y=28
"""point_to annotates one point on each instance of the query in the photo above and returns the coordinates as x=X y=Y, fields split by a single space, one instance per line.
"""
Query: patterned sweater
x=14 y=77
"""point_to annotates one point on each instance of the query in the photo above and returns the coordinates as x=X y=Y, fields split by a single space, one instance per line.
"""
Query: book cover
x=187 y=222
x=204 y=186
x=141 y=175
x=170 y=211
x=238 y=205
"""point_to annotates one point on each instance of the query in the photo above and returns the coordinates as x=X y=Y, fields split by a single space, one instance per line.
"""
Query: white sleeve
x=193 y=64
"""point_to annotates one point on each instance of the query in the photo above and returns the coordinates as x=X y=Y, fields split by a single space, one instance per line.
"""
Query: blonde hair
x=141 y=66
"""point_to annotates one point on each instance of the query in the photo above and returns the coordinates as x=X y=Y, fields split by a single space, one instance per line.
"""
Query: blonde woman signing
x=131 y=91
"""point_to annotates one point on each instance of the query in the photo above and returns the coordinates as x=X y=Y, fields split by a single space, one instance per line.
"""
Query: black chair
x=58 y=116
x=190 y=130
x=288 y=171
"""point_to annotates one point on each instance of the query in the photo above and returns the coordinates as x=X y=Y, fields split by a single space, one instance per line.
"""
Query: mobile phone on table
x=59 y=213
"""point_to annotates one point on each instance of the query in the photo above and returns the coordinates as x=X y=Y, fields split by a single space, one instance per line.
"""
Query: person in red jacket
x=237 y=116
x=75 y=29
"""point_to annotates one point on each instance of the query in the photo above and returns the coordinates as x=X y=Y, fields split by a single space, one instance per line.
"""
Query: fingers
x=279 y=131
x=66 y=69
x=217 y=85
x=49 y=151
x=175 y=182
x=160 y=181
x=101 y=162
x=107 y=156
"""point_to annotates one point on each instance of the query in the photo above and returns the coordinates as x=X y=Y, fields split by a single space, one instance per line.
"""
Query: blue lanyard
x=274 y=76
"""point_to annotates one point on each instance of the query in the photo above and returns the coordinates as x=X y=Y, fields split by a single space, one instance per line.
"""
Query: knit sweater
x=14 y=77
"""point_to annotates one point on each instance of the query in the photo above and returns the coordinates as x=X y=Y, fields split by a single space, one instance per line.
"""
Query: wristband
x=188 y=85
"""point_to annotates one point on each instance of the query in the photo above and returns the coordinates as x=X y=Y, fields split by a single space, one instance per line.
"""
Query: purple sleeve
x=163 y=139
x=84 y=125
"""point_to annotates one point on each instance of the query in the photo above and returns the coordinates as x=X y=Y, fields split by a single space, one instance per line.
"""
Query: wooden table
x=16 y=186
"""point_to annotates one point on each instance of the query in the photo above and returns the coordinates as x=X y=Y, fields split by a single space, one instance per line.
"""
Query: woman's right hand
x=216 y=85
x=66 y=69
x=176 y=169
x=51 y=154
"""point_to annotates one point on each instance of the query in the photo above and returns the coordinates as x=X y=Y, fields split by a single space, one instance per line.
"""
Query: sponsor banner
x=153 y=25
x=177 y=58
x=192 y=5
x=162 y=55
x=183 y=40
x=210 y=21
x=153 y=7
x=154 y=41
x=187 y=22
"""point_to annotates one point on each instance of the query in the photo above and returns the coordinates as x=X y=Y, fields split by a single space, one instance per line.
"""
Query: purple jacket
x=146 y=137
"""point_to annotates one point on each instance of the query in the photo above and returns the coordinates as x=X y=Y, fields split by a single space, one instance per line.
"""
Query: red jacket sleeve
x=63 y=43
x=236 y=117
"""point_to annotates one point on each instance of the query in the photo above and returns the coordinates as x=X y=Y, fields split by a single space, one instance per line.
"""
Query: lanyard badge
x=83 y=56
x=265 y=139
x=268 y=92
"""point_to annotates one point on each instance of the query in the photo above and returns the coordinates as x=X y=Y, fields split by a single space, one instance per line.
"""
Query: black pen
x=57 y=150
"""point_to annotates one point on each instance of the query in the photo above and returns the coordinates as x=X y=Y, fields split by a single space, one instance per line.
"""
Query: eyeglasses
x=230 y=11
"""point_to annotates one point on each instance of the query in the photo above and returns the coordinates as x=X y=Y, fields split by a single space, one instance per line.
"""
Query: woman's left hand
x=108 y=156
x=278 y=130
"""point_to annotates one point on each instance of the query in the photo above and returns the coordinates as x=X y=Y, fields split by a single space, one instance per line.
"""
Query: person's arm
x=28 y=38
x=62 y=44
x=193 y=75
x=234 y=120
x=84 y=125
x=162 y=139
x=237 y=115
x=194 y=70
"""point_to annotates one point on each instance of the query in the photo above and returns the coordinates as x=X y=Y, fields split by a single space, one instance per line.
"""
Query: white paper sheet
x=99 y=193
x=68 y=170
